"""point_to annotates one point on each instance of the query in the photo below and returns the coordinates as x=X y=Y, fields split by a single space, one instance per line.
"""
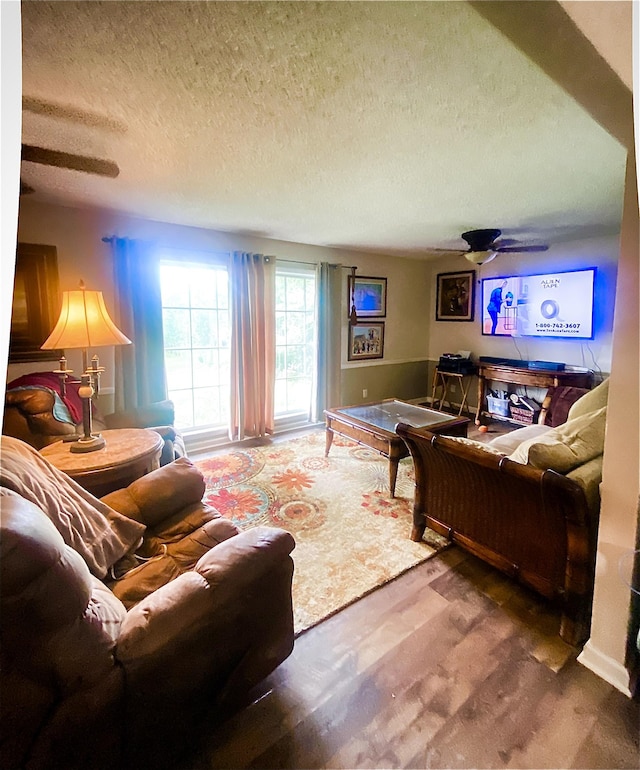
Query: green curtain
x=140 y=377
x=329 y=329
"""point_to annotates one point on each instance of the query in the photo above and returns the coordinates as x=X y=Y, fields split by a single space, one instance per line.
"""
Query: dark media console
x=517 y=372
x=550 y=366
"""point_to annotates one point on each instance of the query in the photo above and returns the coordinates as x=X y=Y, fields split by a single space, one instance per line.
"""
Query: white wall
x=602 y=253
x=605 y=650
x=77 y=234
x=10 y=99
x=408 y=318
x=411 y=332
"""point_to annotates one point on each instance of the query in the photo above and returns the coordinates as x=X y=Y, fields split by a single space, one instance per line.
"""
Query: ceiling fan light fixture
x=480 y=257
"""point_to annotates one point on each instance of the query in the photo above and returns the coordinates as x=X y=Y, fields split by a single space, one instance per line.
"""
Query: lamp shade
x=84 y=323
x=480 y=257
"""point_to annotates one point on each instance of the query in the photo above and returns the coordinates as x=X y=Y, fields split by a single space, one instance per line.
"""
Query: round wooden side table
x=129 y=453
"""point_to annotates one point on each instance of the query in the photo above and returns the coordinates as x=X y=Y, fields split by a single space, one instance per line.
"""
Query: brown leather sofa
x=36 y=412
x=128 y=620
x=526 y=503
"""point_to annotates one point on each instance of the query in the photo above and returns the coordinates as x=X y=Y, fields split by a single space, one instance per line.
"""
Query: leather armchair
x=118 y=669
x=39 y=416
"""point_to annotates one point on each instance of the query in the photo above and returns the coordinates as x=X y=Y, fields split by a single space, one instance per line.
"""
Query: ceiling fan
x=84 y=163
x=484 y=246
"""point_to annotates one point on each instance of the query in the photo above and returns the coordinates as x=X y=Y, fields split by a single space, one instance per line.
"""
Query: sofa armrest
x=31 y=401
x=159 y=494
x=588 y=476
x=29 y=414
x=230 y=619
x=225 y=573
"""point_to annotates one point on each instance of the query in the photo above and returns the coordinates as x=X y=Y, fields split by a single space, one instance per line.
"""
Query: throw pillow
x=509 y=442
x=98 y=533
x=592 y=400
x=476 y=444
x=563 y=448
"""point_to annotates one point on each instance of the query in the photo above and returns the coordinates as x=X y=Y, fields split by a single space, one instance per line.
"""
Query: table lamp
x=84 y=323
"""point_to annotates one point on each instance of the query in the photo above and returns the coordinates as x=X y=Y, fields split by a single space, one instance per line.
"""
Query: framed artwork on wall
x=366 y=340
x=369 y=296
x=36 y=303
x=455 y=296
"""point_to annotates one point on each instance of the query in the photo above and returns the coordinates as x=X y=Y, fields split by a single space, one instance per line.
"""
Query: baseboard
x=606 y=668
x=421 y=400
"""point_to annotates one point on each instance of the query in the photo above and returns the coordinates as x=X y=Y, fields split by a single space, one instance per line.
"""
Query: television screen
x=546 y=305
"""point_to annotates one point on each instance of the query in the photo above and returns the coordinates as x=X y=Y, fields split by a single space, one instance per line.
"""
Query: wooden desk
x=129 y=453
x=520 y=375
x=373 y=426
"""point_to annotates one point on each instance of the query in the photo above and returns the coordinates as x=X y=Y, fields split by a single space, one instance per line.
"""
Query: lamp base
x=88 y=444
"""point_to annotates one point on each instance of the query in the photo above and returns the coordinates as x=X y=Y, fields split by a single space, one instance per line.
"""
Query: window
x=295 y=340
x=197 y=336
x=197 y=329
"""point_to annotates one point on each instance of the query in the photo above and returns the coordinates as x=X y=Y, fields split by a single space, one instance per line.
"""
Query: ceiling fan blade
x=88 y=165
x=72 y=114
x=519 y=249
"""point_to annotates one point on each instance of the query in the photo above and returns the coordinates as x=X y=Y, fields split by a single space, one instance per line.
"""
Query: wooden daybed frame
x=534 y=525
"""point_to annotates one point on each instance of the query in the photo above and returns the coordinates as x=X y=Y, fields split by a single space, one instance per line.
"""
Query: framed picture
x=366 y=340
x=369 y=296
x=455 y=298
x=36 y=303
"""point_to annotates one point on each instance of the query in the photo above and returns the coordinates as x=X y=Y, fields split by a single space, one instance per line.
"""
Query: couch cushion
x=485 y=446
x=98 y=533
x=588 y=476
x=566 y=447
x=509 y=442
x=591 y=401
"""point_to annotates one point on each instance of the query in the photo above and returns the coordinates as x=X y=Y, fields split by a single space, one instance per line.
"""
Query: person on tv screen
x=495 y=303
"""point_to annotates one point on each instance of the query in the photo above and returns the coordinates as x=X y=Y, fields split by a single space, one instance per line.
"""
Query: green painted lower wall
x=405 y=381
x=408 y=381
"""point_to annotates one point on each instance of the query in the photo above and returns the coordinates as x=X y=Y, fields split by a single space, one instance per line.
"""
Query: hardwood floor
x=451 y=665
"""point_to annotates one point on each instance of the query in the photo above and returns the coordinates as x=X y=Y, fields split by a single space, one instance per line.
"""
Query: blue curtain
x=329 y=339
x=140 y=377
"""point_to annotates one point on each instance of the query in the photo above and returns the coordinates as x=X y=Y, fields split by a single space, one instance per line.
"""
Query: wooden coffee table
x=129 y=453
x=373 y=426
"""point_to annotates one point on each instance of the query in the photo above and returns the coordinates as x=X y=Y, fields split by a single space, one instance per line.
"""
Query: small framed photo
x=369 y=296
x=366 y=340
x=455 y=297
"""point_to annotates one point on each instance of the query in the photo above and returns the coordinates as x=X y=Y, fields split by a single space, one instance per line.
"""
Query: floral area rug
x=351 y=537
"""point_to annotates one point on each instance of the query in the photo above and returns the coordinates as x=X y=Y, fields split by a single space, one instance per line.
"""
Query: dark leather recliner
x=38 y=415
x=126 y=620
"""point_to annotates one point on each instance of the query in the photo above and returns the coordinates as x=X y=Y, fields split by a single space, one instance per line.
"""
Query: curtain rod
x=107 y=239
x=293 y=261
x=304 y=262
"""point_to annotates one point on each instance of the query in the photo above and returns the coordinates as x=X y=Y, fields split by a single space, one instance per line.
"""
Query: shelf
x=502 y=418
x=516 y=375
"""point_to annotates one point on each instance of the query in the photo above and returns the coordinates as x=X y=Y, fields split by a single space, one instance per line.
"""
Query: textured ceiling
x=387 y=127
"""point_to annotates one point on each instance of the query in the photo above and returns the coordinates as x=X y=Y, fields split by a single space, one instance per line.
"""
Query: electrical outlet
x=454 y=387
x=365 y=393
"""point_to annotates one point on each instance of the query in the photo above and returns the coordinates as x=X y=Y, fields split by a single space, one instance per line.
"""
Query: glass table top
x=388 y=414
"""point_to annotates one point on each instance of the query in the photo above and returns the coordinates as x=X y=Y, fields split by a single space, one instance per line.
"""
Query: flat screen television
x=545 y=305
